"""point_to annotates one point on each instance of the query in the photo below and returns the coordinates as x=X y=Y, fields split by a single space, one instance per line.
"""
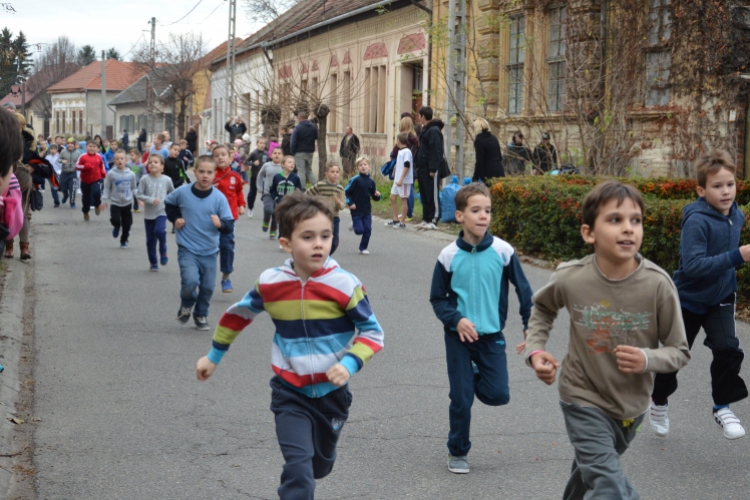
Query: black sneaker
x=183 y=315
x=201 y=323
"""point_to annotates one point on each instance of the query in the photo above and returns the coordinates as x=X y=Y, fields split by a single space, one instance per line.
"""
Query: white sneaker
x=249 y=214
x=391 y=223
x=730 y=423
x=430 y=226
x=421 y=224
x=659 y=419
x=351 y=226
x=364 y=252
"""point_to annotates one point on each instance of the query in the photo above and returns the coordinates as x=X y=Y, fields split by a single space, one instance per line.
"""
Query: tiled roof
x=137 y=91
x=120 y=75
x=38 y=82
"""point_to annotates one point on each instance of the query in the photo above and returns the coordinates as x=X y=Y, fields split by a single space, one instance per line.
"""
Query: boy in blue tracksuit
x=706 y=282
x=469 y=294
x=358 y=194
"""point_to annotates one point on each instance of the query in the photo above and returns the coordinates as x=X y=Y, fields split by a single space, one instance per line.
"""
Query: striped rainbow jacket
x=315 y=325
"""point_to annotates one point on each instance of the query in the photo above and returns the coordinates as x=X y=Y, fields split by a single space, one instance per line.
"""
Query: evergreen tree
x=86 y=55
x=113 y=54
x=15 y=60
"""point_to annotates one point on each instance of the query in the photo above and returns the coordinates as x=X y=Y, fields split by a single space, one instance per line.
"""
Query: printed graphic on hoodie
x=608 y=329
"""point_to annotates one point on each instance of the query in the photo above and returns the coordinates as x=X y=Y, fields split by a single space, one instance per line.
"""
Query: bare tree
x=55 y=63
x=174 y=66
x=265 y=11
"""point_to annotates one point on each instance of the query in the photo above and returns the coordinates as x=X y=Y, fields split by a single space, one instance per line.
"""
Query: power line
x=211 y=14
x=133 y=47
x=183 y=17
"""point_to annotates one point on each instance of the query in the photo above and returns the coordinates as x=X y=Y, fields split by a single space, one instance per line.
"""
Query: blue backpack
x=388 y=169
x=447 y=201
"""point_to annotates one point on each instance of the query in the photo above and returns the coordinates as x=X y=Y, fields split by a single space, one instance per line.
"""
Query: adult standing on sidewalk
x=489 y=159
x=304 y=137
x=348 y=150
x=428 y=163
x=142 y=139
x=236 y=129
x=192 y=139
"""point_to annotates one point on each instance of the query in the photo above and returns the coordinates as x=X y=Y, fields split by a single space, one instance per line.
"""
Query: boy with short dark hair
x=229 y=183
x=264 y=181
x=200 y=214
x=359 y=192
x=152 y=191
x=621 y=306
x=707 y=282
x=255 y=161
x=119 y=188
x=285 y=182
x=139 y=170
x=185 y=154
x=310 y=397
x=470 y=287
x=91 y=167
x=331 y=189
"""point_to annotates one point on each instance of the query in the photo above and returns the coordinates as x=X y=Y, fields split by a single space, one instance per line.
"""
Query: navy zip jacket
x=472 y=282
x=359 y=191
x=304 y=137
x=709 y=252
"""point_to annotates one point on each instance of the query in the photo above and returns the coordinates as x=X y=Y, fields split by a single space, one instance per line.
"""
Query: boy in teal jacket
x=470 y=296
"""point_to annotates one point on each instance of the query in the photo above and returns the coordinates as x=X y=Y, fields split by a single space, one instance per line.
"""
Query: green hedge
x=541 y=216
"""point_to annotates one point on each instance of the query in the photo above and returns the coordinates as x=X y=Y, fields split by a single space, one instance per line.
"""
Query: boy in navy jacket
x=359 y=192
x=706 y=282
x=469 y=295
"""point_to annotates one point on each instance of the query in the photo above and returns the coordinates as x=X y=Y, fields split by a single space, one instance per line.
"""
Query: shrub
x=541 y=216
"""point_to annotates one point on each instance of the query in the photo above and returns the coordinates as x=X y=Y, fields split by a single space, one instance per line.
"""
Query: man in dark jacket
x=286 y=140
x=236 y=129
x=545 y=156
x=304 y=137
x=349 y=150
x=429 y=156
x=125 y=141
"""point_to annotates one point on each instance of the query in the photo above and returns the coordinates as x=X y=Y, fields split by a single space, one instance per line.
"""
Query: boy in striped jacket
x=325 y=333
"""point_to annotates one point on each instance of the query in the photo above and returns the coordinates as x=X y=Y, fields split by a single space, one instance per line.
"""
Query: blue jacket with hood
x=473 y=282
x=709 y=254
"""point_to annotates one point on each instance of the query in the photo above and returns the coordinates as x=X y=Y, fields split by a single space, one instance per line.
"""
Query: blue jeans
x=335 y=242
x=91 y=195
x=198 y=279
x=55 y=198
x=490 y=385
x=226 y=252
x=363 y=225
x=156 y=229
x=410 y=203
x=68 y=187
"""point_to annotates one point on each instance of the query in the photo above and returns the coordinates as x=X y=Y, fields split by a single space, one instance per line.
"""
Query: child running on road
x=310 y=396
x=331 y=189
x=470 y=288
x=706 y=282
x=229 y=183
x=152 y=191
x=286 y=181
x=255 y=161
x=621 y=306
x=264 y=182
x=359 y=192
x=200 y=214
x=92 y=171
x=119 y=188
x=139 y=170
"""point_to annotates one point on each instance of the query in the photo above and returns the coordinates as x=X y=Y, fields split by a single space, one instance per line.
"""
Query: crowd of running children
x=631 y=325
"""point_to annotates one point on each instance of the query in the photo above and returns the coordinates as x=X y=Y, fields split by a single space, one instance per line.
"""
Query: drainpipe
x=747 y=140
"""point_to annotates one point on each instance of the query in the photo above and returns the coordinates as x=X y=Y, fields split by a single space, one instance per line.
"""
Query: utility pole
x=153 y=39
x=152 y=58
x=104 y=94
x=230 y=56
x=455 y=84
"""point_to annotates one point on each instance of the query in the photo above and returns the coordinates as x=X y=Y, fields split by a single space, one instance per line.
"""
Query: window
x=57 y=122
x=216 y=117
x=346 y=98
x=556 y=59
x=73 y=127
x=375 y=87
x=333 y=117
x=62 y=113
x=515 y=65
x=314 y=88
x=80 y=122
x=658 y=55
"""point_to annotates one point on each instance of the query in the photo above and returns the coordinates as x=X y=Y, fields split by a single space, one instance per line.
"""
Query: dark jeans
x=156 y=230
x=335 y=242
x=121 y=217
x=410 y=203
x=363 y=225
x=269 y=212
x=253 y=193
x=428 y=192
x=197 y=280
x=490 y=386
x=68 y=187
x=226 y=252
x=598 y=441
x=55 y=197
x=91 y=195
x=308 y=430
x=718 y=323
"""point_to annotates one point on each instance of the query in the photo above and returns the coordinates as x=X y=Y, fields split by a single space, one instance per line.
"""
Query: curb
x=11 y=342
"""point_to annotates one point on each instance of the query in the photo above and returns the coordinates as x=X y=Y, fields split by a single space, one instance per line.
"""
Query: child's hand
x=630 y=359
x=522 y=346
x=377 y=193
x=745 y=252
x=338 y=375
x=337 y=200
x=466 y=331
x=240 y=211
x=103 y=206
x=179 y=223
x=215 y=219
x=141 y=204
x=399 y=183
x=352 y=207
x=205 y=368
x=156 y=201
x=545 y=366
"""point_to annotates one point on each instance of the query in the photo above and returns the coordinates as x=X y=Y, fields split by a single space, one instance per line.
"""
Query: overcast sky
x=120 y=24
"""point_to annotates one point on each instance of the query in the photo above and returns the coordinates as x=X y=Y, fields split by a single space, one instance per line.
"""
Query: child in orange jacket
x=229 y=183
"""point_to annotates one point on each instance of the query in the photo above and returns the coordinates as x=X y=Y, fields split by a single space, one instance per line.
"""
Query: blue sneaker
x=73 y=205
x=124 y=245
x=154 y=268
x=226 y=286
x=115 y=232
x=164 y=260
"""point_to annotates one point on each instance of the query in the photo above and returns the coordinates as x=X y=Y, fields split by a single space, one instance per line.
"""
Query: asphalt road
x=124 y=417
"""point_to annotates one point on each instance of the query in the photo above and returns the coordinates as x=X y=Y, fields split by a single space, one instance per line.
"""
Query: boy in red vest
x=92 y=171
x=229 y=183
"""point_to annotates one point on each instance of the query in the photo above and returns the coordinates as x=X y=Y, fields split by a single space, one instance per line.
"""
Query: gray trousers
x=598 y=441
x=303 y=162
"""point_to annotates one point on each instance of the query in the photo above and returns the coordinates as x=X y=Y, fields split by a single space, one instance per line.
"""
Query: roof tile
x=120 y=75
